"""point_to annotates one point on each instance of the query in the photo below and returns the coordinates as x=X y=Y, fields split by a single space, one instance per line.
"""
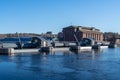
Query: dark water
x=88 y=65
x=14 y=40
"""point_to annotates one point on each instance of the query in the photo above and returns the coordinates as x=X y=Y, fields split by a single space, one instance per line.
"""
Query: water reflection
x=78 y=65
x=29 y=60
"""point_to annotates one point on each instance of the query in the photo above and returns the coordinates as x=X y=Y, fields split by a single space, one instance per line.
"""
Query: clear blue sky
x=39 y=16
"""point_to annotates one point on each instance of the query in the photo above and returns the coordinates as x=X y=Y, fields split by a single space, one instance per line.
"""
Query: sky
x=40 y=16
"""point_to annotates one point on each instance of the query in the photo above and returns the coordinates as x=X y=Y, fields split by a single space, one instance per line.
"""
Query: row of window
x=92 y=35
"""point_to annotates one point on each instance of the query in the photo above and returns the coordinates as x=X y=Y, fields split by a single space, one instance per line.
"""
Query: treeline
x=18 y=35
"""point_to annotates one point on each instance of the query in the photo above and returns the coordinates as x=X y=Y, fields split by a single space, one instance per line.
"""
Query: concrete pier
x=112 y=45
x=61 y=49
x=96 y=47
x=45 y=49
x=80 y=48
x=87 y=47
x=12 y=51
x=52 y=49
x=25 y=50
x=6 y=50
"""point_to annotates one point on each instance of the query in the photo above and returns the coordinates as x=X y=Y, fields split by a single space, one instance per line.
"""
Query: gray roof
x=41 y=38
x=72 y=26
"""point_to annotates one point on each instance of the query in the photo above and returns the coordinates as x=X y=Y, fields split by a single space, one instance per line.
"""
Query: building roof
x=39 y=38
x=83 y=27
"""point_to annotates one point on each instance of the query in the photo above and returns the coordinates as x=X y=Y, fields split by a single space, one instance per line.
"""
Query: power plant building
x=76 y=33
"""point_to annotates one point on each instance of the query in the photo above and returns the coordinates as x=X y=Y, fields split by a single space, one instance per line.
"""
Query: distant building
x=49 y=35
x=110 y=36
x=3 y=36
x=117 y=40
x=49 y=32
x=74 y=33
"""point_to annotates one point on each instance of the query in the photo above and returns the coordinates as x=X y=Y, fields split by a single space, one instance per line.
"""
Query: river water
x=86 y=65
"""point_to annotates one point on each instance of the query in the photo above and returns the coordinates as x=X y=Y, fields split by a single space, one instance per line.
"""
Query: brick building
x=71 y=33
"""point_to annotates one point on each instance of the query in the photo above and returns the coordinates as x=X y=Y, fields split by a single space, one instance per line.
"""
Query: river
x=87 y=65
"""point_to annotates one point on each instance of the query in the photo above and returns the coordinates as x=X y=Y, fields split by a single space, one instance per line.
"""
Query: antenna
x=71 y=23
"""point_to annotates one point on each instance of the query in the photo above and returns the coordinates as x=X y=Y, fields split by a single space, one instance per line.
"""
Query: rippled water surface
x=86 y=65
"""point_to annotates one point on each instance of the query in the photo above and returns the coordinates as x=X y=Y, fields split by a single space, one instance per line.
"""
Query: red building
x=74 y=33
